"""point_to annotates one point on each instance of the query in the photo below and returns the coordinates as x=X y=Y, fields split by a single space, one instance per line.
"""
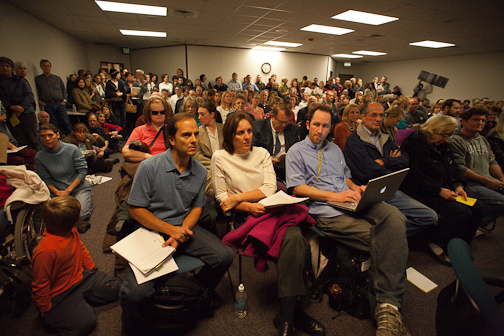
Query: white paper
x=143 y=250
x=279 y=199
x=10 y=151
x=420 y=280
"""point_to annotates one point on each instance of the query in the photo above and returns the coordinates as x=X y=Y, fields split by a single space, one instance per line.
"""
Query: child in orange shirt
x=65 y=280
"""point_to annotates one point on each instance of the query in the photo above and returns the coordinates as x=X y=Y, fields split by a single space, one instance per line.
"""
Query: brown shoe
x=389 y=322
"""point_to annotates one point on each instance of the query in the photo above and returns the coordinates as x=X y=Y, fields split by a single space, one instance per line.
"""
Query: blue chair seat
x=187 y=263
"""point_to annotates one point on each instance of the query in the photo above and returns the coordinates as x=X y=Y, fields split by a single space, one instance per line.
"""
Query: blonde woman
x=347 y=125
x=393 y=117
x=226 y=105
x=435 y=180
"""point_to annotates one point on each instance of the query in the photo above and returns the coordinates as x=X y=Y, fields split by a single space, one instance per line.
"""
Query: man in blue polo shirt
x=316 y=168
x=167 y=196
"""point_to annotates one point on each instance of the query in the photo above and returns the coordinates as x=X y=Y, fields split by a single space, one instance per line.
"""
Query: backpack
x=344 y=279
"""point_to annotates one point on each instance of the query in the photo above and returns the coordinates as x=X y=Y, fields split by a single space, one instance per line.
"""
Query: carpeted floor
x=419 y=308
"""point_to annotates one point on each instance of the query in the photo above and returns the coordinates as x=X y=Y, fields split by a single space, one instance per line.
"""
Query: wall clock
x=266 y=68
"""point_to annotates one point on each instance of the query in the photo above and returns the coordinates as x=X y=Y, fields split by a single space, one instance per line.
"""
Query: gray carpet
x=418 y=311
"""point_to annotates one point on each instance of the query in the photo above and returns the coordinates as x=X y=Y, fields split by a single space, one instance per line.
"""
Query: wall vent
x=183 y=13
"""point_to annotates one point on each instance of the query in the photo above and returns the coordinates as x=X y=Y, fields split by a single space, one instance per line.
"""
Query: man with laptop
x=316 y=168
x=370 y=153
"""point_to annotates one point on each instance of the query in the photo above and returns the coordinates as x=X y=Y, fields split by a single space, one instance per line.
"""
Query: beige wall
x=159 y=60
x=28 y=39
x=111 y=54
x=471 y=76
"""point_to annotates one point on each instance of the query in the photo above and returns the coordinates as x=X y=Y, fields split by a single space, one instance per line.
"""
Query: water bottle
x=74 y=108
x=241 y=302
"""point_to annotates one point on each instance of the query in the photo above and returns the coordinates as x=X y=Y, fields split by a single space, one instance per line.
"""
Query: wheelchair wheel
x=28 y=230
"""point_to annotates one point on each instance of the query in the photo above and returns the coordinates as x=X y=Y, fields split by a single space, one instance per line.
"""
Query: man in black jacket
x=369 y=153
x=277 y=135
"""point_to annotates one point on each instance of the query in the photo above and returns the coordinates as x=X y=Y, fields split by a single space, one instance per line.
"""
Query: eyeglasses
x=162 y=112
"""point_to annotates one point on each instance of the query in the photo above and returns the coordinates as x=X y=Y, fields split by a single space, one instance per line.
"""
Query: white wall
x=215 y=61
x=159 y=60
x=471 y=76
x=110 y=54
x=28 y=39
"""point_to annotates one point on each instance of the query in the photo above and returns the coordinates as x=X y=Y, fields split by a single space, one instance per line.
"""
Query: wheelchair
x=18 y=240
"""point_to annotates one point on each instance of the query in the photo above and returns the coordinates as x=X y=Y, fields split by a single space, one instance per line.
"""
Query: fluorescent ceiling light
x=268 y=48
x=131 y=8
x=327 y=29
x=346 y=56
x=369 y=53
x=283 y=44
x=142 y=33
x=363 y=17
x=432 y=44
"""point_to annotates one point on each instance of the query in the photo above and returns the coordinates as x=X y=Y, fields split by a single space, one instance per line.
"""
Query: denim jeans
x=418 y=216
x=203 y=245
x=59 y=117
x=85 y=197
x=492 y=200
x=381 y=231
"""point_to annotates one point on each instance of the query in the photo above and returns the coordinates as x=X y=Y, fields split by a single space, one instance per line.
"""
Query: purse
x=130 y=107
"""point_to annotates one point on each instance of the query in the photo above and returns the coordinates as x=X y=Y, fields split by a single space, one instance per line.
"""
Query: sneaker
x=389 y=322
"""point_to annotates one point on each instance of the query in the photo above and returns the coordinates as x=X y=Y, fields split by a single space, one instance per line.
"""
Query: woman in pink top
x=254 y=109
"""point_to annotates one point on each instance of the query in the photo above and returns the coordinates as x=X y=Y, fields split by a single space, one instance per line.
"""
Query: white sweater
x=240 y=173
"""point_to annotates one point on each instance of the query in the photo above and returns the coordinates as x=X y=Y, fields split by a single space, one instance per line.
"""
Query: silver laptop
x=379 y=189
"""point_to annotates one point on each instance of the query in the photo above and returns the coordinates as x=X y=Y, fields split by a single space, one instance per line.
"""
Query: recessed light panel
x=142 y=33
x=363 y=17
x=120 y=7
x=346 y=56
x=432 y=44
x=369 y=53
x=327 y=29
x=283 y=44
x=268 y=48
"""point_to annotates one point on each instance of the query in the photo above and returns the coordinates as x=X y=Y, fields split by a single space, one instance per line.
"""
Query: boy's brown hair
x=61 y=214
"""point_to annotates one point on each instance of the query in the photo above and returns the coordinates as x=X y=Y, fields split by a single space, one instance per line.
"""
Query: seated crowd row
x=326 y=150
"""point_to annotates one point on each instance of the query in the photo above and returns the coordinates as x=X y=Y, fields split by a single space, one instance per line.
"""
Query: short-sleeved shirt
x=146 y=134
x=160 y=188
x=302 y=165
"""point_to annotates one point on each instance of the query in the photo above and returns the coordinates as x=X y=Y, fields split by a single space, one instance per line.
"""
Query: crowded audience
x=234 y=144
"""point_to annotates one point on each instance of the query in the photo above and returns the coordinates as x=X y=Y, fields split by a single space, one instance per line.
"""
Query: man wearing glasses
x=478 y=165
x=316 y=169
x=369 y=154
x=276 y=135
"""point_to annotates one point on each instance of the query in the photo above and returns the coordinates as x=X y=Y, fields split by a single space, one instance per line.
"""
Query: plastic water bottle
x=74 y=108
x=241 y=302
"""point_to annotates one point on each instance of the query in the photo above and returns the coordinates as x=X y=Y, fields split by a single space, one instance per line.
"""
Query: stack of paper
x=145 y=254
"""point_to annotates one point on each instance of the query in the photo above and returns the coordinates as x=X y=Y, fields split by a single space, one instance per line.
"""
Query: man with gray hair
x=139 y=77
x=369 y=154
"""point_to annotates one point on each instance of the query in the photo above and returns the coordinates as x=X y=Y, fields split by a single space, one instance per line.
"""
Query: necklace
x=351 y=128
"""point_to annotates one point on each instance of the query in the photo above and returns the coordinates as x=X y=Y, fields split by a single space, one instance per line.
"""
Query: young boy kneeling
x=65 y=280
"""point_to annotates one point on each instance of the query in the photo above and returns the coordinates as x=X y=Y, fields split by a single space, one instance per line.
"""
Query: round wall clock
x=266 y=68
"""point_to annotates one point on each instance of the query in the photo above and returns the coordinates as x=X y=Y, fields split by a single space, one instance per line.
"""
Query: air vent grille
x=183 y=13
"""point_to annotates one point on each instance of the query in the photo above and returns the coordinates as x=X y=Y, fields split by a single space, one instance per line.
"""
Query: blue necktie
x=278 y=145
